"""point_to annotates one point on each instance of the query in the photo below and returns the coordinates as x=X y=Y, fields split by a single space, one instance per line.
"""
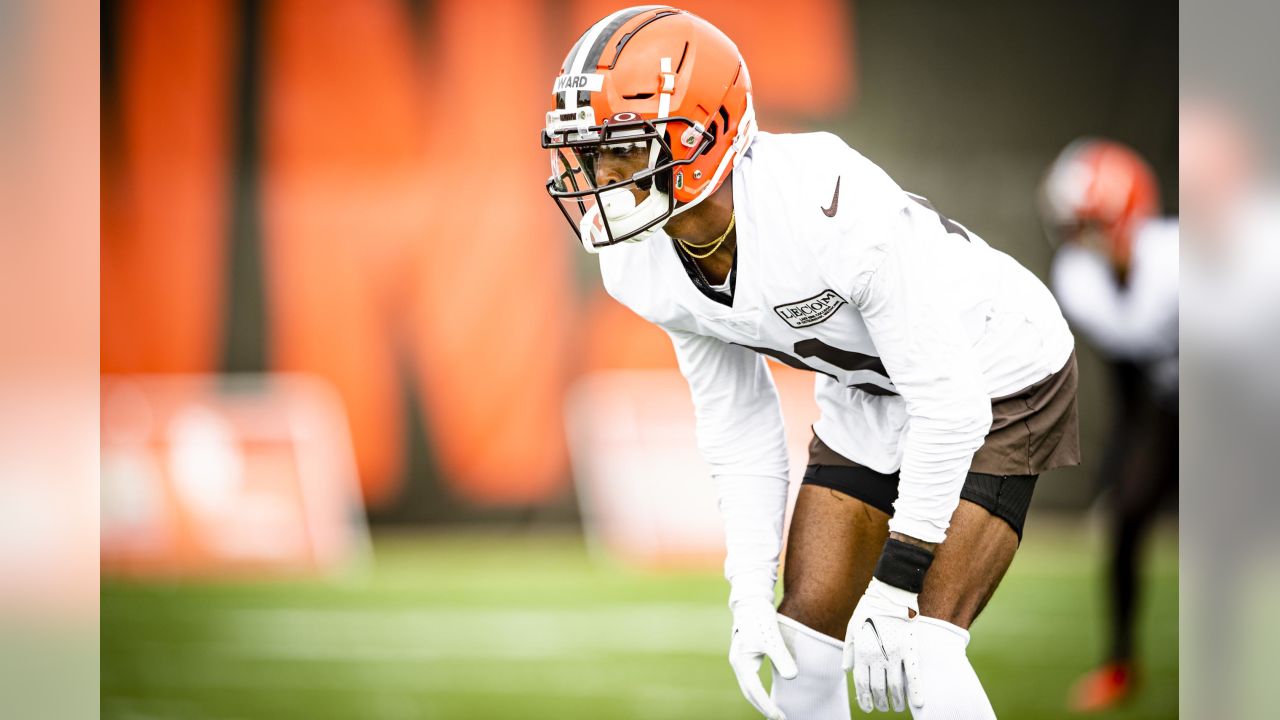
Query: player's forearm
x=753 y=508
x=935 y=462
x=741 y=436
x=935 y=465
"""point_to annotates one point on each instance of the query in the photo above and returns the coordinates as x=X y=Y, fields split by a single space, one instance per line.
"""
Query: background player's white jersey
x=912 y=322
x=1138 y=322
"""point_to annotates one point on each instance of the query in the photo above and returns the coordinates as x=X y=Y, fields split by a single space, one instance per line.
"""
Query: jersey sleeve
x=902 y=295
x=740 y=435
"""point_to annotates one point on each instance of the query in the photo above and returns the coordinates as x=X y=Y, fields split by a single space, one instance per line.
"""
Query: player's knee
x=822 y=609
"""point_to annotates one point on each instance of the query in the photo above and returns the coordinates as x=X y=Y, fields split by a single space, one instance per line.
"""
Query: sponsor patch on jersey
x=588 y=82
x=810 y=311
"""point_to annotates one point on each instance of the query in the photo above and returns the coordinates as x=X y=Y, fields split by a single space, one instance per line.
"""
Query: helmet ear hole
x=724 y=120
x=714 y=130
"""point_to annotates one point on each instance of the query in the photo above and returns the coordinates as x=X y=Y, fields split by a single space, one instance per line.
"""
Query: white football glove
x=756 y=636
x=879 y=649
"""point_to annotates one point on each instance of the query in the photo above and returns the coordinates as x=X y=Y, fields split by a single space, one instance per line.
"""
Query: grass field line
x=606 y=683
x=521 y=633
x=439 y=633
x=583 y=678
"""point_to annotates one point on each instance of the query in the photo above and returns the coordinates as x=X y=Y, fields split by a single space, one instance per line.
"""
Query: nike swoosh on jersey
x=835 y=201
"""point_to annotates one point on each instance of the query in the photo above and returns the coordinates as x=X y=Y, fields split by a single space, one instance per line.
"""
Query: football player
x=945 y=372
x=1115 y=274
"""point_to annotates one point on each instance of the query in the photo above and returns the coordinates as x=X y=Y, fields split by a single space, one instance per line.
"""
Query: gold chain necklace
x=714 y=244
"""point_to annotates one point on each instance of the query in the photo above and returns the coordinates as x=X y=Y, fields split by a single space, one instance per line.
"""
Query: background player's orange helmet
x=650 y=78
x=1101 y=188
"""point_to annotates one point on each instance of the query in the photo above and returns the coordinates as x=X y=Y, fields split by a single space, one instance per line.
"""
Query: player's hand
x=879 y=649
x=755 y=637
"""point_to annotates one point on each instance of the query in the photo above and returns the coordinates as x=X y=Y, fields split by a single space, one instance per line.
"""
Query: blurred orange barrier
x=645 y=494
x=216 y=475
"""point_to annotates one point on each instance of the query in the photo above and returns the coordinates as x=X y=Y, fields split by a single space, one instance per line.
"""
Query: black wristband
x=903 y=565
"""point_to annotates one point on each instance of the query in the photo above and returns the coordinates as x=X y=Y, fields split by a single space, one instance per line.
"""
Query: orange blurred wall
x=165 y=183
x=407 y=244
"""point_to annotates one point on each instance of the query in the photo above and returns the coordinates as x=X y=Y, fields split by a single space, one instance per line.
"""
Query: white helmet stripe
x=584 y=51
x=664 y=109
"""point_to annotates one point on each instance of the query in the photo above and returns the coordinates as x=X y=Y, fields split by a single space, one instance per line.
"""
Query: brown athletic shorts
x=1032 y=431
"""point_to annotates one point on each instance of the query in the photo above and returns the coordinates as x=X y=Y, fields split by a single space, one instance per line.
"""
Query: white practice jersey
x=1138 y=322
x=911 y=322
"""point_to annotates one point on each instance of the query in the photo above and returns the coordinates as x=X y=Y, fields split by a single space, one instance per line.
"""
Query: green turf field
x=530 y=626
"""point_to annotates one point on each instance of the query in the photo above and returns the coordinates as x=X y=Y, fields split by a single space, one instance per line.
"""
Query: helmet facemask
x=632 y=158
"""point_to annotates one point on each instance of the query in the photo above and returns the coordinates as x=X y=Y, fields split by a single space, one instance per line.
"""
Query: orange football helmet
x=653 y=81
x=1098 y=188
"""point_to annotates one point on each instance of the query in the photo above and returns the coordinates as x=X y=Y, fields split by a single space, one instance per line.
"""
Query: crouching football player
x=945 y=371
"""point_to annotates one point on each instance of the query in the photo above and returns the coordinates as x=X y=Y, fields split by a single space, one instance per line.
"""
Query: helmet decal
x=582 y=82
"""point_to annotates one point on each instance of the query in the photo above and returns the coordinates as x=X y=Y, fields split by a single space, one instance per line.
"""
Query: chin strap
x=621 y=218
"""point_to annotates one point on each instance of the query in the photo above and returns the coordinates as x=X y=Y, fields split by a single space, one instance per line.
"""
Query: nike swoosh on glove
x=755 y=637
x=880 y=651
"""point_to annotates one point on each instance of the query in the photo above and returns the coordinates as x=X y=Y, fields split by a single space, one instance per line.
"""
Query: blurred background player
x=1115 y=274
